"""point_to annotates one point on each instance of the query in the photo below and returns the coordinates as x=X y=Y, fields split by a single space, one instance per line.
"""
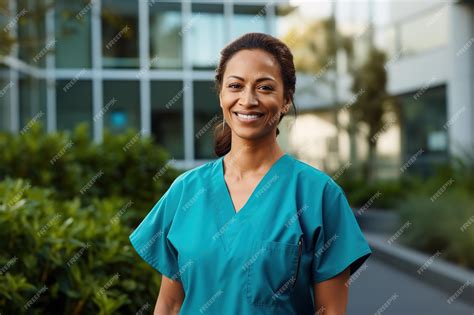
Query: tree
x=315 y=48
x=371 y=104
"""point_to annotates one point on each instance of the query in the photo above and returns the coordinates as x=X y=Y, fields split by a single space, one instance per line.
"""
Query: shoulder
x=192 y=175
x=311 y=175
x=310 y=172
x=185 y=184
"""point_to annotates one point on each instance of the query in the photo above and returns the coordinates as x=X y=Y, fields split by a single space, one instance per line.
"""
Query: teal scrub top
x=296 y=229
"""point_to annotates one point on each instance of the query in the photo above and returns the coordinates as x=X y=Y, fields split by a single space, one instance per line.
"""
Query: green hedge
x=66 y=257
x=67 y=208
x=127 y=165
x=444 y=224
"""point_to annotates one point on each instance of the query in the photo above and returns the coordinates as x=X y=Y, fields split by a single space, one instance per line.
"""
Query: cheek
x=228 y=99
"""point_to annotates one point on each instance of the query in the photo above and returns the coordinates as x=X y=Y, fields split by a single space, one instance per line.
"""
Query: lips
x=249 y=113
x=248 y=116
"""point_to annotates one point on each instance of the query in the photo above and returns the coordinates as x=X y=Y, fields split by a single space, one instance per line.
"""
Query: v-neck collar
x=257 y=188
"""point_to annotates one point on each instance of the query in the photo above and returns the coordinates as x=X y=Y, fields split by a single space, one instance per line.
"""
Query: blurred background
x=103 y=103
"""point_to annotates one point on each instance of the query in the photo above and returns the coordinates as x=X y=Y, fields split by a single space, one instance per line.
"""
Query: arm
x=331 y=295
x=170 y=297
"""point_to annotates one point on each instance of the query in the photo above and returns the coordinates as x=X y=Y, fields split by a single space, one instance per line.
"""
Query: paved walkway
x=380 y=287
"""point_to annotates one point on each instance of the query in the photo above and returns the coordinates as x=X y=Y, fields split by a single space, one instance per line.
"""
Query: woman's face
x=252 y=94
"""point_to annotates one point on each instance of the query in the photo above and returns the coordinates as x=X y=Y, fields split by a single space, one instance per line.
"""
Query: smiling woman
x=258 y=70
x=255 y=231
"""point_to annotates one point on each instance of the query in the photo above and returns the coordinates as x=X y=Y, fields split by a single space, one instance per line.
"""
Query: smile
x=248 y=117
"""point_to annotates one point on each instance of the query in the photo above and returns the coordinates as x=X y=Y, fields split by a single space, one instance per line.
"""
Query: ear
x=286 y=107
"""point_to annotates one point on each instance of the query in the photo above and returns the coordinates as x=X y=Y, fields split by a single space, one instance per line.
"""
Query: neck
x=250 y=158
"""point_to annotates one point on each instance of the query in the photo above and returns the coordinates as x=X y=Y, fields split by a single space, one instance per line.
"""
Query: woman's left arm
x=331 y=296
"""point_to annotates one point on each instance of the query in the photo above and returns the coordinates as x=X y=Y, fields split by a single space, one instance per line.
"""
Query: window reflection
x=33 y=47
x=167 y=115
x=73 y=35
x=121 y=105
x=248 y=19
x=206 y=19
x=207 y=112
x=73 y=103
x=32 y=101
x=423 y=120
x=5 y=93
x=165 y=36
x=120 y=34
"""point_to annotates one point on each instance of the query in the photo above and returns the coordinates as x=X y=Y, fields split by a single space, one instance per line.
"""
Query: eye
x=234 y=85
x=266 y=87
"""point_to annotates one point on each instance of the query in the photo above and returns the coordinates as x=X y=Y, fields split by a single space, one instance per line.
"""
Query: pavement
x=399 y=280
x=383 y=289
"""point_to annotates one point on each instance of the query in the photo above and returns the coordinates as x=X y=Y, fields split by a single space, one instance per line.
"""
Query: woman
x=255 y=231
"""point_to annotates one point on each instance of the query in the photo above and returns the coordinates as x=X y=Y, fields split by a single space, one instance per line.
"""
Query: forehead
x=252 y=63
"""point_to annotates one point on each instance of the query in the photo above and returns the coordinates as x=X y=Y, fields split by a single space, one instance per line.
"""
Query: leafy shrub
x=127 y=165
x=66 y=217
x=65 y=257
x=384 y=194
x=444 y=224
x=441 y=210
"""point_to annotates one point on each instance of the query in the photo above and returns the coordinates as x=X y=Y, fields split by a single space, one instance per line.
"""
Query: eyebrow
x=258 y=80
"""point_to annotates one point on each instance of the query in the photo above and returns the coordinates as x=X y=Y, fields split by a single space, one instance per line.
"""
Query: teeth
x=248 y=116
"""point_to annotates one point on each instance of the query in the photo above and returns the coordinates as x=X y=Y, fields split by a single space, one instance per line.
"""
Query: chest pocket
x=272 y=272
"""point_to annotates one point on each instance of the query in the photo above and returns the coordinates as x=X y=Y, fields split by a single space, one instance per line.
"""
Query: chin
x=250 y=134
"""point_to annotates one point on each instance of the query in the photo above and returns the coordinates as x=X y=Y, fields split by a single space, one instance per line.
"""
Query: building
x=430 y=68
x=118 y=64
x=150 y=65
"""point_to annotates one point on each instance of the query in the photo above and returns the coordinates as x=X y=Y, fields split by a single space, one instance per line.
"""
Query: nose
x=248 y=97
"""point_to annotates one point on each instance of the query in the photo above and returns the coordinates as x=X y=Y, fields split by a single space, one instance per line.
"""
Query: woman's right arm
x=170 y=297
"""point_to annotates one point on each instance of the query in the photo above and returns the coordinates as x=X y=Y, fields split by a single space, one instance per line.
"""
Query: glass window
x=73 y=35
x=248 y=19
x=385 y=40
x=5 y=91
x=32 y=101
x=120 y=34
x=207 y=113
x=423 y=117
x=206 y=28
x=167 y=116
x=425 y=33
x=165 y=36
x=121 y=105
x=73 y=103
x=32 y=33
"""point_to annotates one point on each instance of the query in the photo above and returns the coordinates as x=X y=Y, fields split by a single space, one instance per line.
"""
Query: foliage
x=66 y=217
x=372 y=105
x=66 y=257
x=127 y=165
x=382 y=194
x=445 y=224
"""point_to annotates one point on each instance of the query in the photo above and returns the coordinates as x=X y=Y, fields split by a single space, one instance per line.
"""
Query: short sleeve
x=340 y=242
x=150 y=238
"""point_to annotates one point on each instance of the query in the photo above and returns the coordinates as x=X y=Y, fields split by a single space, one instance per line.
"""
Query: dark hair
x=267 y=43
